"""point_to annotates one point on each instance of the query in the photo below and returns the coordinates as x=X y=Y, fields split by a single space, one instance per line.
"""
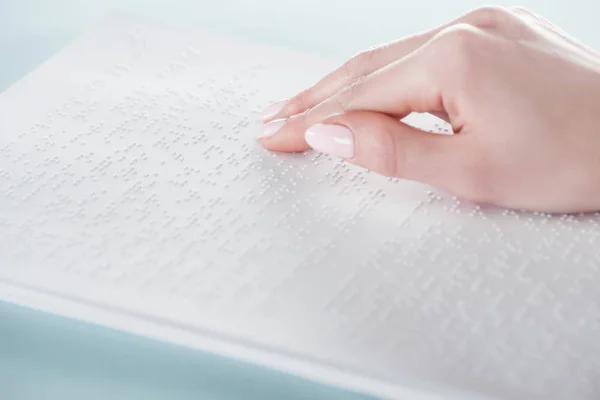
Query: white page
x=133 y=194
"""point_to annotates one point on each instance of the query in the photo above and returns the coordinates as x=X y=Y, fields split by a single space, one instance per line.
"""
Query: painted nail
x=336 y=140
x=273 y=110
x=271 y=128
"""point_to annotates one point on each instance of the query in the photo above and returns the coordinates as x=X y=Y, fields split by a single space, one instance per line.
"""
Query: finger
x=417 y=83
x=366 y=62
x=394 y=90
x=389 y=147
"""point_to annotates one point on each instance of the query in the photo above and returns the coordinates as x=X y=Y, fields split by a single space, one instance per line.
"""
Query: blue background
x=46 y=357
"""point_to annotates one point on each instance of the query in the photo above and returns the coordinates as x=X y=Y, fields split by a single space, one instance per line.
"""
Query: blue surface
x=47 y=357
x=51 y=358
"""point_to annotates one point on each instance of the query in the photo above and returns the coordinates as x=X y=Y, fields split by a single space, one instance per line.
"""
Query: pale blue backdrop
x=49 y=358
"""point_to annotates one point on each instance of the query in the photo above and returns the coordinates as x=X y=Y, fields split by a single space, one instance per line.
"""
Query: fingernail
x=271 y=128
x=273 y=110
x=336 y=140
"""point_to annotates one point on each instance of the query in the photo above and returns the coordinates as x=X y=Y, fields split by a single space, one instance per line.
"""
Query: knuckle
x=361 y=57
x=521 y=10
x=352 y=65
x=460 y=36
x=354 y=90
x=341 y=104
x=489 y=16
x=358 y=63
x=457 y=50
x=365 y=56
x=346 y=98
x=300 y=102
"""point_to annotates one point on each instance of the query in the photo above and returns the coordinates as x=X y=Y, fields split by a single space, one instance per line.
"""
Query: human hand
x=522 y=97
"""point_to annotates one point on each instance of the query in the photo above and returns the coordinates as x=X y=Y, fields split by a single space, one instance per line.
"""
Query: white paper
x=133 y=194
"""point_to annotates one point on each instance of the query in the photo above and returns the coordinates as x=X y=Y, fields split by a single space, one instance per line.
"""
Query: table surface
x=72 y=360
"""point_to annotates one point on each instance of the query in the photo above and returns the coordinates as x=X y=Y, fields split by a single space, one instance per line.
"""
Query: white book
x=133 y=194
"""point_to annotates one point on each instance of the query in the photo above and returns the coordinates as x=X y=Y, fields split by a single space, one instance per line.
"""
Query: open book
x=133 y=194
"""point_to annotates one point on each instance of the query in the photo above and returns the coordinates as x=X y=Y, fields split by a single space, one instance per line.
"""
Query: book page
x=133 y=194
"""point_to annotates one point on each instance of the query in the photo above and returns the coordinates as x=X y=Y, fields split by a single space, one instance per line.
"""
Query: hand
x=522 y=97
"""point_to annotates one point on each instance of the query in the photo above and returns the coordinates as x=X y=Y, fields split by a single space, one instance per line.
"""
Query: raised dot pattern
x=130 y=176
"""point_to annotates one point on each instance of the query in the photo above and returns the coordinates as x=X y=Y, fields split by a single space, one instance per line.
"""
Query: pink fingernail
x=271 y=128
x=336 y=140
x=273 y=110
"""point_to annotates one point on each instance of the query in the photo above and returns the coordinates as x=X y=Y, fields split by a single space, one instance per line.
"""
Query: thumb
x=392 y=148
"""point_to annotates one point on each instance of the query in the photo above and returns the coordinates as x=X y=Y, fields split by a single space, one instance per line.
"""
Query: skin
x=523 y=99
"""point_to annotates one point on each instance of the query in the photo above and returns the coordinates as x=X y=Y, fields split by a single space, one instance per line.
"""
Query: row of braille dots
x=27 y=180
x=241 y=124
x=531 y=218
x=283 y=172
x=29 y=177
x=248 y=73
x=231 y=159
x=450 y=204
x=179 y=64
x=403 y=249
x=373 y=198
x=303 y=207
x=312 y=260
x=255 y=197
x=96 y=84
x=206 y=224
x=81 y=135
x=168 y=116
x=436 y=202
x=341 y=172
x=85 y=112
x=78 y=108
x=6 y=150
x=275 y=192
x=140 y=98
x=46 y=143
x=117 y=70
x=64 y=172
x=207 y=178
x=134 y=101
x=441 y=128
x=223 y=97
x=245 y=170
x=546 y=236
x=217 y=208
x=5 y=173
x=178 y=135
x=35 y=129
x=138 y=104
